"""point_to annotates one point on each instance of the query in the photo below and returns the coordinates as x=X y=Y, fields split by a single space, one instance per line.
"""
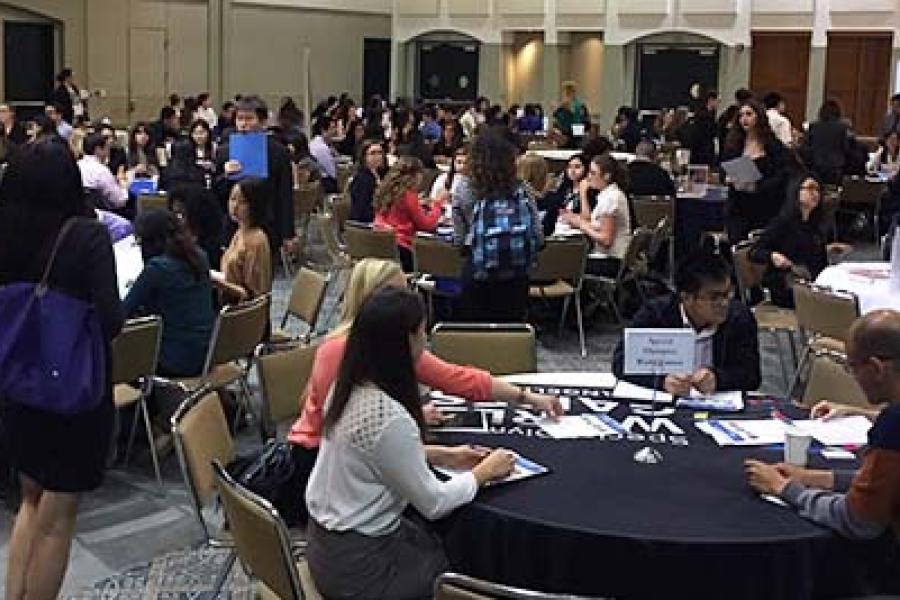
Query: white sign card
x=659 y=351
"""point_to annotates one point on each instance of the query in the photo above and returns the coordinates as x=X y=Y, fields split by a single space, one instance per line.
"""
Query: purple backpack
x=52 y=354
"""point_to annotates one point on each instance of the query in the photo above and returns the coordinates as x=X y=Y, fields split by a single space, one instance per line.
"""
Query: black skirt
x=61 y=453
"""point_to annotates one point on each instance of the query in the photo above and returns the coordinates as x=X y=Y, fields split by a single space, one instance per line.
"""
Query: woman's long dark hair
x=208 y=146
x=162 y=232
x=253 y=190
x=40 y=191
x=378 y=352
x=492 y=165
x=566 y=185
x=737 y=136
x=134 y=150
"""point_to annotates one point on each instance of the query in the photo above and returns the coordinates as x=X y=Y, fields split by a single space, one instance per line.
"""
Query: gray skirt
x=398 y=566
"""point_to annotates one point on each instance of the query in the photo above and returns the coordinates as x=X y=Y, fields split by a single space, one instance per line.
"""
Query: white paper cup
x=796 y=447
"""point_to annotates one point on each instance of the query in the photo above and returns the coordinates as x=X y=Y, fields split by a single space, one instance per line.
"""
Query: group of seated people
x=358 y=445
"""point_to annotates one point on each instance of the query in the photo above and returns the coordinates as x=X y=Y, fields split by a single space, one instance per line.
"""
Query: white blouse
x=372 y=465
x=612 y=202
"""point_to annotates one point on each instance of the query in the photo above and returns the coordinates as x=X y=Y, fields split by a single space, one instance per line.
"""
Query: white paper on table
x=837 y=454
x=629 y=391
x=129 y=263
x=575 y=427
x=523 y=469
x=725 y=401
x=842 y=431
x=744 y=432
x=741 y=170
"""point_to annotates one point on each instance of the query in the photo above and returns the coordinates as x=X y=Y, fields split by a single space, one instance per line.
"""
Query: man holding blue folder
x=250 y=152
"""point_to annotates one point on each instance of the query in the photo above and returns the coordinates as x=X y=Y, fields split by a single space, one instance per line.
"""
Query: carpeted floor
x=134 y=542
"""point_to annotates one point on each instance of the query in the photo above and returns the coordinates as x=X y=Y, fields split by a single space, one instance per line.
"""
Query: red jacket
x=406 y=217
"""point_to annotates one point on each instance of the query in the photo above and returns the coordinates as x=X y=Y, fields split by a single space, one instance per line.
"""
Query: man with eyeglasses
x=861 y=505
x=726 y=349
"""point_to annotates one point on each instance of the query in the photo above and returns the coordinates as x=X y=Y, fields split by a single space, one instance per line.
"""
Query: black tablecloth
x=694 y=216
x=602 y=524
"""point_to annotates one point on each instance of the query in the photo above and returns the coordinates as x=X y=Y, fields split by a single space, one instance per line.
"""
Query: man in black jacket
x=727 y=347
x=251 y=116
x=645 y=177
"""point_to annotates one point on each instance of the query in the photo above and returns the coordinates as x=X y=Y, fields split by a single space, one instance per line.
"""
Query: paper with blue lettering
x=659 y=351
x=523 y=469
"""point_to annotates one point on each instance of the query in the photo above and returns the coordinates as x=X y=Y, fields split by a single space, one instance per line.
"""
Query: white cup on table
x=796 y=446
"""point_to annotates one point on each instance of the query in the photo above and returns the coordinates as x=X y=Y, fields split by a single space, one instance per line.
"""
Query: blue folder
x=252 y=151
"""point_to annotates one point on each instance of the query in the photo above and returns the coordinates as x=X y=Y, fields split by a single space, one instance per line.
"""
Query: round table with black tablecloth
x=601 y=524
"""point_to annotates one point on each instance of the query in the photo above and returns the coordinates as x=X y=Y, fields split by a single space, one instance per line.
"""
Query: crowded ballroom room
x=449 y=299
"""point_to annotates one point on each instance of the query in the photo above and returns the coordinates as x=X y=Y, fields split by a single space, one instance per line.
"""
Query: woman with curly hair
x=496 y=220
x=753 y=205
x=397 y=206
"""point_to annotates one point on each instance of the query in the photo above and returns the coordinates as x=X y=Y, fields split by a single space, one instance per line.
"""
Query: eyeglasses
x=850 y=364
x=723 y=297
x=813 y=187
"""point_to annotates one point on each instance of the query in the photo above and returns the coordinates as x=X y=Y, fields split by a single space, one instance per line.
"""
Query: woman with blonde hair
x=397 y=206
x=475 y=385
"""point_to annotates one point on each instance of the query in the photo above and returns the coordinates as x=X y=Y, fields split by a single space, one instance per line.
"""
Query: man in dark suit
x=250 y=116
x=645 y=177
x=726 y=350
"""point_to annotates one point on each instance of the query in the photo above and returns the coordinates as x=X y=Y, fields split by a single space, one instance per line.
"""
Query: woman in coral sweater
x=397 y=206
x=475 y=385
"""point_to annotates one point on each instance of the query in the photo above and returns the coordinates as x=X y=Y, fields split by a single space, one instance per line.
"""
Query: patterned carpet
x=190 y=574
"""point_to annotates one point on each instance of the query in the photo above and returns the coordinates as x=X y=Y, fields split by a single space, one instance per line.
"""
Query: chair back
x=283 y=375
x=561 y=259
x=135 y=351
x=823 y=311
x=363 y=241
x=436 y=257
x=637 y=252
x=200 y=432
x=856 y=190
x=649 y=211
x=828 y=380
x=306 y=199
x=501 y=348
x=749 y=275
x=307 y=294
x=452 y=586
x=340 y=208
x=238 y=329
x=156 y=201
x=344 y=173
x=260 y=536
x=333 y=247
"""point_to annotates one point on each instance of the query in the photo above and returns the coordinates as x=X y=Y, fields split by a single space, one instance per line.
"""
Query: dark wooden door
x=858 y=75
x=376 y=68
x=779 y=62
x=27 y=66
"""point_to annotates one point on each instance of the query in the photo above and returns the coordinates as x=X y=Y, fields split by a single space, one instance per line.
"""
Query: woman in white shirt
x=448 y=180
x=608 y=224
x=371 y=465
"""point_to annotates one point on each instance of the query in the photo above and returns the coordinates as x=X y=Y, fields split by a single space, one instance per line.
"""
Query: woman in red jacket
x=397 y=206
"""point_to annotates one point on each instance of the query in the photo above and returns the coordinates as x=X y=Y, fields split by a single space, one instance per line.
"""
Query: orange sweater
x=468 y=382
x=406 y=217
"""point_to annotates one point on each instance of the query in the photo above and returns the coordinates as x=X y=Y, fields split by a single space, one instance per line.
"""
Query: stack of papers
x=581 y=426
x=129 y=263
x=724 y=401
x=845 y=431
x=523 y=469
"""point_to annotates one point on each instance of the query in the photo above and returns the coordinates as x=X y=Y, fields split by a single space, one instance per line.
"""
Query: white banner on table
x=659 y=351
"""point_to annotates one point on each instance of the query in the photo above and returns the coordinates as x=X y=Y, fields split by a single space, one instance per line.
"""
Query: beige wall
x=524 y=62
x=583 y=64
x=267 y=48
x=260 y=50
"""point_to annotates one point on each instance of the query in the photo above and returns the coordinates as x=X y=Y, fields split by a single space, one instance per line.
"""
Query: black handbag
x=272 y=474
